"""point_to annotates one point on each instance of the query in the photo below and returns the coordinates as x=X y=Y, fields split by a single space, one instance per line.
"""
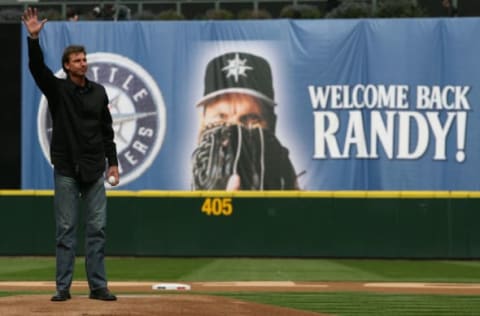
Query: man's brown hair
x=72 y=49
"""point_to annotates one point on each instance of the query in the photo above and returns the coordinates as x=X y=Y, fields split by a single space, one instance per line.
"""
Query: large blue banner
x=359 y=104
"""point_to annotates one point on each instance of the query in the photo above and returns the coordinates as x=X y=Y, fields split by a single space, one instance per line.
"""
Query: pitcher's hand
x=113 y=172
x=31 y=22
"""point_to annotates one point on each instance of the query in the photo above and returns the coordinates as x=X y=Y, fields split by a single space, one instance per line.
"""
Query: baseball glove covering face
x=254 y=154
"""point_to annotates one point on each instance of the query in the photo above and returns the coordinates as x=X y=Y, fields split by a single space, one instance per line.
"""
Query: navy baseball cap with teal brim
x=238 y=72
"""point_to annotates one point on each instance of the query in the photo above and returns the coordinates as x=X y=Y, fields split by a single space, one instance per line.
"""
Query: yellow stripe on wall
x=270 y=194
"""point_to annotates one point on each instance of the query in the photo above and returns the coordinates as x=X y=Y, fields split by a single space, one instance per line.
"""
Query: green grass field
x=247 y=269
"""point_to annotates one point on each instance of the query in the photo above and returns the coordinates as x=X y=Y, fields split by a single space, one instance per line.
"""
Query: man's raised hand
x=31 y=22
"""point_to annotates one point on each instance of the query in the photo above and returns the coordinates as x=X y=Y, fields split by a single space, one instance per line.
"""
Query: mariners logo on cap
x=236 y=67
x=137 y=108
x=238 y=72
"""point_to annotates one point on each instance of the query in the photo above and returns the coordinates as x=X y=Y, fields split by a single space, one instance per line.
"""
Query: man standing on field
x=82 y=143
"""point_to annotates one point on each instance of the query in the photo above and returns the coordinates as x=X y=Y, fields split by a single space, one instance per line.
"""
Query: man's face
x=77 y=64
x=234 y=108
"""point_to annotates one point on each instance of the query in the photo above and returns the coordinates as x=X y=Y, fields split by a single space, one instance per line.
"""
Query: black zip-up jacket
x=82 y=137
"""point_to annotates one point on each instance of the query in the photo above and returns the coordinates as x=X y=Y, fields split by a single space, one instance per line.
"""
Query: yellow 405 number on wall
x=217 y=206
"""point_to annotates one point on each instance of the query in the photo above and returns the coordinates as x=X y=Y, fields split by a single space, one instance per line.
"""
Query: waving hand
x=31 y=22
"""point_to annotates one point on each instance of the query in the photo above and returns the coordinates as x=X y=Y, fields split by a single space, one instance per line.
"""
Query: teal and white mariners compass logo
x=137 y=108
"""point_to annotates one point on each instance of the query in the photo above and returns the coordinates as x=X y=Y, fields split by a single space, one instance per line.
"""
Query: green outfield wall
x=279 y=224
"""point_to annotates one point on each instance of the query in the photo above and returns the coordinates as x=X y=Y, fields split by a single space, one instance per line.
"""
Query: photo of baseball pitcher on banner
x=275 y=105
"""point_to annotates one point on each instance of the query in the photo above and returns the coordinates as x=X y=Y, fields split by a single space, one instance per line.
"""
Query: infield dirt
x=138 y=298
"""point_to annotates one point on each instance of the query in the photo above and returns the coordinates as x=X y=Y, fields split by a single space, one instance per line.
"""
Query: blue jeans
x=68 y=193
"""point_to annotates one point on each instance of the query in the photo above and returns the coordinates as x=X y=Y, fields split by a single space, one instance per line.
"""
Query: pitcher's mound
x=172 y=305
